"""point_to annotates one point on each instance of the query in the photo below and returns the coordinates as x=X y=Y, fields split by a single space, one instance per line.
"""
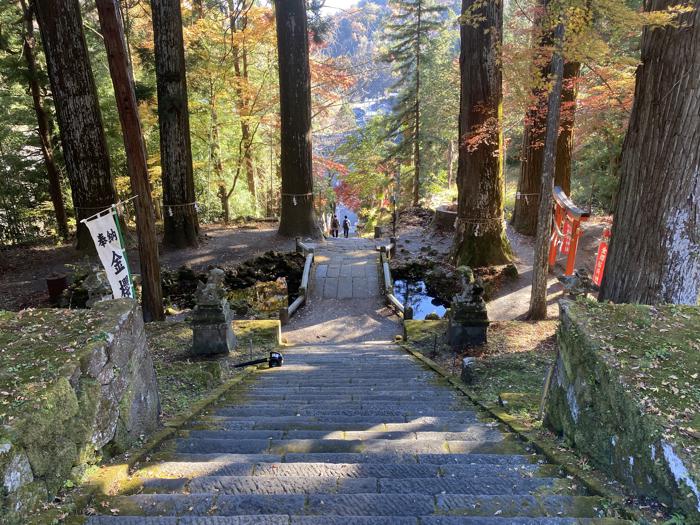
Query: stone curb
x=115 y=477
x=542 y=448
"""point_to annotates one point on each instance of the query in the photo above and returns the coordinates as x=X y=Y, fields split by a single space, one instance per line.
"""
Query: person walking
x=335 y=226
x=346 y=227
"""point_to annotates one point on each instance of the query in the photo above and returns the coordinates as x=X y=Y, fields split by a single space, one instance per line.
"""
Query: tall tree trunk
x=181 y=226
x=540 y=266
x=215 y=147
x=54 y=175
x=136 y=158
x=480 y=239
x=297 y=217
x=450 y=163
x=77 y=110
x=239 y=21
x=654 y=253
x=525 y=213
x=416 y=138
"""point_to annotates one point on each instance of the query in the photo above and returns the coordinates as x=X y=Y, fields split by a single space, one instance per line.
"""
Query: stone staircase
x=359 y=434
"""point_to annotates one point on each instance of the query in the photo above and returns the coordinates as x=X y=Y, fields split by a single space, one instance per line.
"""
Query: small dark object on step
x=274 y=361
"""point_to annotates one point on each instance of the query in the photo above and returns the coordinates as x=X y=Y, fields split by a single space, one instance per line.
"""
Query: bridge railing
x=287 y=312
x=388 y=285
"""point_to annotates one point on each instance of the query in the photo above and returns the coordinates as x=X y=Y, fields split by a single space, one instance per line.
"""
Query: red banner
x=600 y=258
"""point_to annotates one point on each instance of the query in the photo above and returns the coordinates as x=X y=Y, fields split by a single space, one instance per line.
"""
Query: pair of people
x=335 y=226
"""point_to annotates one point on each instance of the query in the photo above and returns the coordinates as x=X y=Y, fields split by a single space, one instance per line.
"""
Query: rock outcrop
x=75 y=385
x=625 y=392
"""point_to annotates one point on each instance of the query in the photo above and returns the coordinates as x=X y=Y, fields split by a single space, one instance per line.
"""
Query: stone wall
x=77 y=385
x=623 y=392
x=445 y=218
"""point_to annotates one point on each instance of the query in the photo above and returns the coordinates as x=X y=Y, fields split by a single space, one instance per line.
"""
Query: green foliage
x=25 y=208
x=410 y=48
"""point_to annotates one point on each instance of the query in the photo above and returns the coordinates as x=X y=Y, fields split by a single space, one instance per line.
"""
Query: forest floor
x=23 y=269
x=417 y=237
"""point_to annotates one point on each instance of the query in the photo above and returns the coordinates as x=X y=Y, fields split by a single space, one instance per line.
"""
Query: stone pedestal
x=212 y=331
x=461 y=334
x=468 y=319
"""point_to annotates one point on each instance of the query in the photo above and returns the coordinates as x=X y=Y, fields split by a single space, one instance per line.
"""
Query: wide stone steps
x=356 y=520
x=358 y=505
x=191 y=469
x=240 y=485
x=377 y=446
x=477 y=433
x=348 y=435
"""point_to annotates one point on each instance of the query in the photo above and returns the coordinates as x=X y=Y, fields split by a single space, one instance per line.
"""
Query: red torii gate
x=566 y=229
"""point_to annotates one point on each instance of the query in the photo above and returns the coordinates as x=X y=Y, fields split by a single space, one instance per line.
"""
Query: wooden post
x=123 y=82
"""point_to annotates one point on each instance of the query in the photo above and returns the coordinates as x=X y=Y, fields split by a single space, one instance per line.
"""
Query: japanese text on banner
x=105 y=234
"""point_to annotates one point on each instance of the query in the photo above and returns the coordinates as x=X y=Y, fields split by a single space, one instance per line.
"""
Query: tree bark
x=297 y=217
x=450 y=163
x=540 y=267
x=480 y=239
x=215 y=151
x=239 y=21
x=181 y=226
x=416 y=143
x=654 y=253
x=136 y=158
x=77 y=111
x=525 y=213
x=42 y=118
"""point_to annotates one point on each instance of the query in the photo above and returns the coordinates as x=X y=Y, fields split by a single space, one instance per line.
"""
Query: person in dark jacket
x=346 y=227
x=335 y=226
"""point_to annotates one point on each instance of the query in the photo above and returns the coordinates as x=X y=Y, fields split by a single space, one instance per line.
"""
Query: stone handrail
x=286 y=313
x=405 y=311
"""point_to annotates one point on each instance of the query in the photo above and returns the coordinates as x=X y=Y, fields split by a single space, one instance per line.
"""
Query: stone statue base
x=212 y=332
x=468 y=318
x=468 y=333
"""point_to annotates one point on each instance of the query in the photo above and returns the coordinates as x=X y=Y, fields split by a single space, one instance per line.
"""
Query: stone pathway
x=346 y=269
x=348 y=434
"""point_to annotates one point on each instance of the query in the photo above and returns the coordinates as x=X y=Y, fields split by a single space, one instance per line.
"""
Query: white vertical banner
x=110 y=247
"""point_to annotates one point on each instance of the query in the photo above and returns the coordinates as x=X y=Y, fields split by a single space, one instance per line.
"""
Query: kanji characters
x=117 y=262
x=125 y=286
x=111 y=235
x=101 y=240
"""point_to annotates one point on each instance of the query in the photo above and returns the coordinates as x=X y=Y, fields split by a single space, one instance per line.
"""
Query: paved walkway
x=357 y=434
x=346 y=269
x=346 y=305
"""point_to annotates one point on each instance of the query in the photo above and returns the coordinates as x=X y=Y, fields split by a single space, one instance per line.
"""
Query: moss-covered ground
x=183 y=380
x=37 y=347
x=512 y=365
x=656 y=352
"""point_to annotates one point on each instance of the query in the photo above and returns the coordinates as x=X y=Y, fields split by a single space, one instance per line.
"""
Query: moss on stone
x=626 y=392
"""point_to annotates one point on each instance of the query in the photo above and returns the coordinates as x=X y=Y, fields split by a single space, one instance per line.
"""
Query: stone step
x=243 y=411
x=352 y=402
x=338 y=520
x=299 y=423
x=477 y=433
x=366 y=422
x=175 y=469
x=348 y=390
x=286 y=446
x=505 y=460
x=358 y=397
x=240 y=485
x=357 y=505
